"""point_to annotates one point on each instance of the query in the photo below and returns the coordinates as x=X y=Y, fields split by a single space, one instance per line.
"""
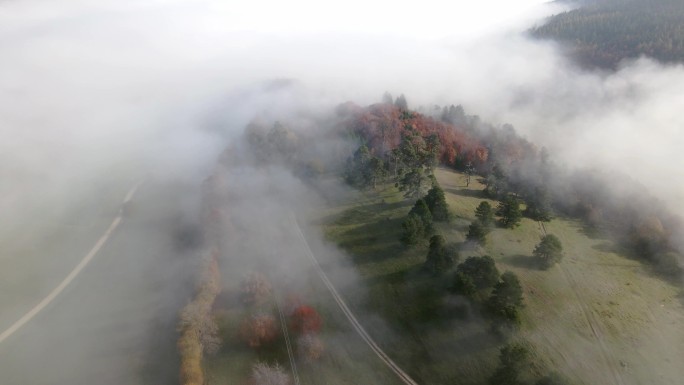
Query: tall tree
x=496 y=182
x=418 y=223
x=438 y=260
x=509 y=211
x=513 y=358
x=413 y=229
x=507 y=292
x=401 y=102
x=485 y=214
x=549 y=250
x=437 y=204
x=477 y=233
x=387 y=98
x=412 y=171
x=538 y=204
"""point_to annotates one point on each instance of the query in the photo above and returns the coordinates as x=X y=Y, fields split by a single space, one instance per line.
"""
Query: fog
x=98 y=95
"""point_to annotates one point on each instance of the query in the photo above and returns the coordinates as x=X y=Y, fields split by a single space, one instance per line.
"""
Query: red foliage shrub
x=305 y=319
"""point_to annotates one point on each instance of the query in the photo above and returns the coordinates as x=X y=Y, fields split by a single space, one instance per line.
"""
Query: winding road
x=73 y=274
x=405 y=378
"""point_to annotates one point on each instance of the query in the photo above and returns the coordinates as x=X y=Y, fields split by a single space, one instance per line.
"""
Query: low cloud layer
x=116 y=91
x=86 y=84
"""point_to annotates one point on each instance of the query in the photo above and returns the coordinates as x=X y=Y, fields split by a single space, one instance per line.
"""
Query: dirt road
x=405 y=378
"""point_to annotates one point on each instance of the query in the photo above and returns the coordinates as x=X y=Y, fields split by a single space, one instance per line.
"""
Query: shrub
x=310 y=347
x=258 y=330
x=549 y=251
x=255 y=289
x=263 y=374
x=305 y=320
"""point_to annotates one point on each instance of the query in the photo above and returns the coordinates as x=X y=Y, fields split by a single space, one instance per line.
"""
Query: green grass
x=633 y=314
x=430 y=334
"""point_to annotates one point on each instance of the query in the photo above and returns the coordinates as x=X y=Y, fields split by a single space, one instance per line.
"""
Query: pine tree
x=437 y=204
x=438 y=260
x=509 y=211
x=485 y=214
x=477 y=233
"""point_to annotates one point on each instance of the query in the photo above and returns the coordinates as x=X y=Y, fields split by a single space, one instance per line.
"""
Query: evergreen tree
x=387 y=98
x=418 y=223
x=513 y=358
x=481 y=271
x=504 y=303
x=364 y=170
x=549 y=250
x=507 y=292
x=477 y=233
x=509 y=211
x=401 y=102
x=539 y=205
x=496 y=183
x=413 y=229
x=423 y=212
x=437 y=204
x=485 y=214
x=463 y=284
x=438 y=260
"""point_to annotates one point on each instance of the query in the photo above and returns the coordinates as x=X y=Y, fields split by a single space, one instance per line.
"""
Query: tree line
x=602 y=33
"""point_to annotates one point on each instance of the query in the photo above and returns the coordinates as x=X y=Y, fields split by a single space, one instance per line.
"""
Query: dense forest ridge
x=602 y=33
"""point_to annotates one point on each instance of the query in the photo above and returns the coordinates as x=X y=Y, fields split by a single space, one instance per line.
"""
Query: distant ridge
x=602 y=33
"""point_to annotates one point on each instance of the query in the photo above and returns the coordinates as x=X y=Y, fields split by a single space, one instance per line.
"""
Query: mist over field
x=96 y=96
x=86 y=84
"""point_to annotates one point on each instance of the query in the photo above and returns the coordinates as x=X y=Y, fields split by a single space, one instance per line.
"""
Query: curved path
x=73 y=274
x=405 y=378
x=288 y=343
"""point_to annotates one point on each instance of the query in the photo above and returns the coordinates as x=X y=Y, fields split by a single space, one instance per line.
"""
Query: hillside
x=597 y=317
x=416 y=296
x=601 y=33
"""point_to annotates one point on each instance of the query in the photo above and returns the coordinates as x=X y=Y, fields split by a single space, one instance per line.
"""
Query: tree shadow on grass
x=607 y=247
x=522 y=261
x=467 y=192
x=374 y=241
x=364 y=213
x=472 y=342
x=411 y=297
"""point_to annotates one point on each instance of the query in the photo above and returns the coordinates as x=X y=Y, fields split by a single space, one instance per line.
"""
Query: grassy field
x=598 y=317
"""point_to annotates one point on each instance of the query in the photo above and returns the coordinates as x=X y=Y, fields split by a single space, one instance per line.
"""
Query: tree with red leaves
x=305 y=319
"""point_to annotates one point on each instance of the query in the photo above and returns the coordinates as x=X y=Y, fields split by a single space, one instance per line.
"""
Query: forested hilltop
x=601 y=33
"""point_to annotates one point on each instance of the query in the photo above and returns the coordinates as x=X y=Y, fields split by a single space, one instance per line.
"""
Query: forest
x=602 y=33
